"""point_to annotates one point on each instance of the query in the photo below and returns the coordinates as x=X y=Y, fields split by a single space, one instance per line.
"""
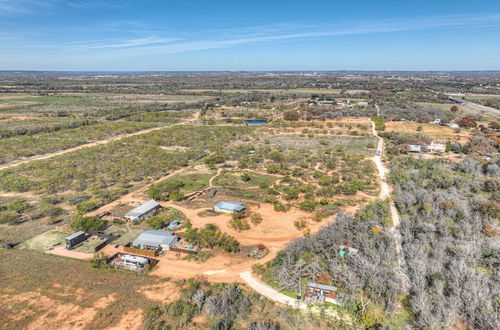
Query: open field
x=436 y=132
x=44 y=241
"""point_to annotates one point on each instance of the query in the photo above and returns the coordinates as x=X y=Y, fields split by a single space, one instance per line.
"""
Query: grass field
x=234 y=180
x=44 y=241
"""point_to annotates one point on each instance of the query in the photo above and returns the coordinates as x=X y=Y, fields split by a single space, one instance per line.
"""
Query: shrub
x=308 y=205
x=80 y=222
x=299 y=224
x=157 y=222
x=239 y=224
x=245 y=177
x=256 y=218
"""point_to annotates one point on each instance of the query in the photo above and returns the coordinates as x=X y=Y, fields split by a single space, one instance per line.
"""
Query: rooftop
x=322 y=286
x=232 y=206
x=144 y=208
x=78 y=233
x=154 y=238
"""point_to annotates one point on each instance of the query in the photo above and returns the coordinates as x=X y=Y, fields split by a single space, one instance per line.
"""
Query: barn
x=143 y=211
x=153 y=239
x=229 y=207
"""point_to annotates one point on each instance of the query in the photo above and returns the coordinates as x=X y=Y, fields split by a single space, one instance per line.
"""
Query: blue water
x=255 y=122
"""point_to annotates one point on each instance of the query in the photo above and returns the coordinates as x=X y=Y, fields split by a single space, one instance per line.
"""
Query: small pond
x=255 y=122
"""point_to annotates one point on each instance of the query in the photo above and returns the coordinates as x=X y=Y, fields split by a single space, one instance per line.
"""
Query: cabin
x=320 y=293
x=75 y=239
x=229 y=207
x=154 y=239
x=143 y=211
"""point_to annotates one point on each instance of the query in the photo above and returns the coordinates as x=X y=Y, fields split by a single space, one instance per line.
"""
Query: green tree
x=79 y=222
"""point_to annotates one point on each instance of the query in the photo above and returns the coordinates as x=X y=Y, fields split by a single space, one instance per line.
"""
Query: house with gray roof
x=229 y=207
x=143 y=211
x=153 y=239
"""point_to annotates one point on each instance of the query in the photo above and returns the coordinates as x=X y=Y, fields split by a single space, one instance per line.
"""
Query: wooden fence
x=146 y=253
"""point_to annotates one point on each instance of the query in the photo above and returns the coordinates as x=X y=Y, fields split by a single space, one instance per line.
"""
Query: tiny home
x=75 y=239
x=143 y=211
x=229 y=207
x=320 y=293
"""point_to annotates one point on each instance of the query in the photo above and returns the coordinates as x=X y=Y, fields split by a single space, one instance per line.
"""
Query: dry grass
x=436 y=132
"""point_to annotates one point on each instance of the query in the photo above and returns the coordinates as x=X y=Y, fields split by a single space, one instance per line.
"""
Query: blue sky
x=236 y=35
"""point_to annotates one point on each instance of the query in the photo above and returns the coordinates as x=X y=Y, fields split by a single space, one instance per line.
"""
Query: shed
x=229 y=207
x=321 y=292
x=143 y=211
x=75 y=239
x=153 y=239
x=414 y=148
x=437 y=147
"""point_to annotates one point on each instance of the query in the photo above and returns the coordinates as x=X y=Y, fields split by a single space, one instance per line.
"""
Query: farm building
x=229 y=207
x=153 y=239
x=75 y=239
x=320 y=293
x=143 y=211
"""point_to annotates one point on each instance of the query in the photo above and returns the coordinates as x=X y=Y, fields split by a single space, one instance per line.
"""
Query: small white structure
x=143 y=211
x=436 y=147
x=453 y=125
x=415 y=148
x=362 y=104
x=229 y=207
x=436 y=121
x=153 y=239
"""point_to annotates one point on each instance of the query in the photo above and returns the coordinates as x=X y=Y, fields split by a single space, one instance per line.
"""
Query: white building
x=437 y=147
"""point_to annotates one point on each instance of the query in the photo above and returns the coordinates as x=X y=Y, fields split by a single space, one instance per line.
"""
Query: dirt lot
x=436 y=132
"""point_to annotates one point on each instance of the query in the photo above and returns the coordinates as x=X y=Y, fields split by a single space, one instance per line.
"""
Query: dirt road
x=269 y=292
x=92 y=144
x=384 y=194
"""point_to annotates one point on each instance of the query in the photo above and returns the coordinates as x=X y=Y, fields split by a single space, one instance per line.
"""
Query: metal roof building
x=143 y=210
x=153 y=239
x=229 y=207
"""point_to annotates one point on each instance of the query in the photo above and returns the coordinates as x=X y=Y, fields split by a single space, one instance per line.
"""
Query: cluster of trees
x=452 y=257
x=166 y=190
x=210 y=236
x=118 y=163
x=83 y=223
x=14 y=147
x=18 y=210
x=229 y=306
x=369 y=274
x=40 y=125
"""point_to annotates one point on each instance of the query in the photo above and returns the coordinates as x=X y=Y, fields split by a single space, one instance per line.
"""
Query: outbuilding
x=229 y=207
x=320 y=293
x=75 y=239
x=143 y=211
x=414 y=148
x=153 y=239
